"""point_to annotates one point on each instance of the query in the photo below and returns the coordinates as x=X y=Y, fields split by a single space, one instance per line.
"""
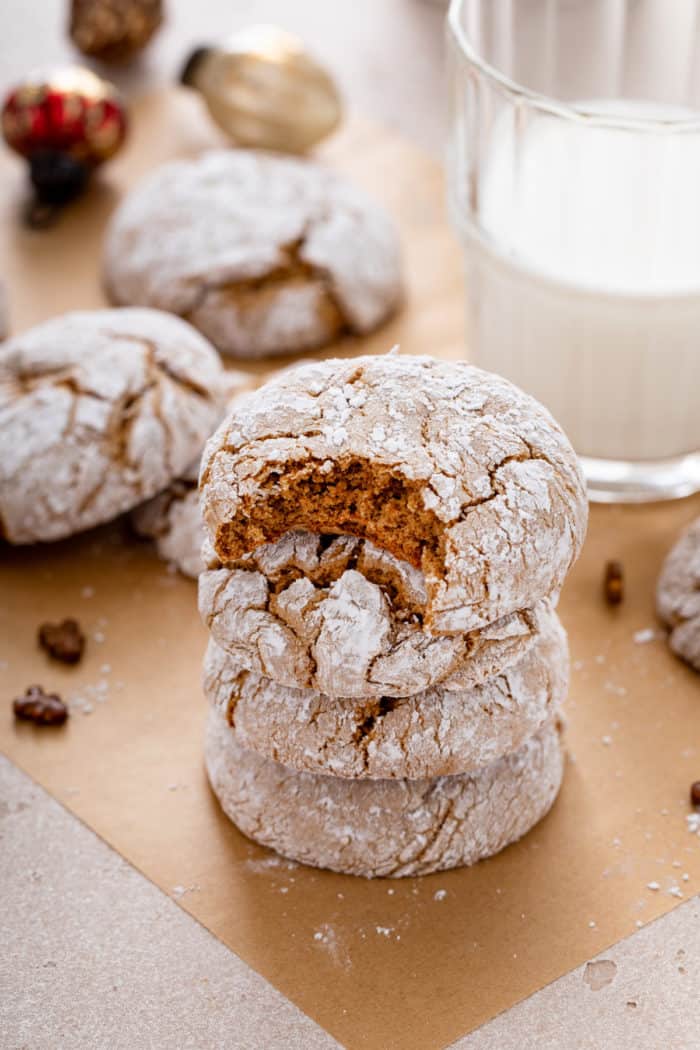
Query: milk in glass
x=585 y=274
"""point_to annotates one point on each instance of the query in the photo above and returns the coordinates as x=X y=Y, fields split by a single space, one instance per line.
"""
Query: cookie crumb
x=695 y=793
x=62 y=641
x=613 y=583
x=439 y=895
x=43 y=709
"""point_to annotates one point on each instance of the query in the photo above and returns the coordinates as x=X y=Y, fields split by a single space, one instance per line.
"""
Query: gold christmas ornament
x=265 y=90
x=114 y=30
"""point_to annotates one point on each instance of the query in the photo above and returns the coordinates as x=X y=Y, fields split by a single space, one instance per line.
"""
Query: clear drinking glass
x=574 y=182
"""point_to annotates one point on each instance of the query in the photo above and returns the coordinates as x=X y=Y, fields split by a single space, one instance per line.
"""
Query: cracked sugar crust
x=172 y=519
x=447 y=467
x=264 y=254
x=436 y=733
x=337 y=615
x=389 y=828
x=678 y=595
x=98 y=412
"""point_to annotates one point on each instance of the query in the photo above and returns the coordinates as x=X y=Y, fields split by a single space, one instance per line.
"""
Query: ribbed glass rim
x=554 y=107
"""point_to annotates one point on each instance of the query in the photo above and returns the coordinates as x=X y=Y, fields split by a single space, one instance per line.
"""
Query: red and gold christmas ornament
x=65 y=122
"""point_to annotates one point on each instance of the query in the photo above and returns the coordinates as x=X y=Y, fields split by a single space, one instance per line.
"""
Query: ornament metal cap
x=188 y=75
x=265 y=90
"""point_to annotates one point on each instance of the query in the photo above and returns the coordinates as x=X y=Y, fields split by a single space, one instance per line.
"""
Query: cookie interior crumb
x=351 y=496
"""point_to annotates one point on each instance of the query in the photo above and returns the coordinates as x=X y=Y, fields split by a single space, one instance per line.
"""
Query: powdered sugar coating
x=678 y=595
x=99 y=411
x=341 y=617
x=435 y=733
x=389 y=828
x=495 y=475
x=173 y=518
x=198 y=234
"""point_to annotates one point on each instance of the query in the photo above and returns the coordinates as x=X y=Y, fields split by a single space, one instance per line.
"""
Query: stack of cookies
x=386 y=540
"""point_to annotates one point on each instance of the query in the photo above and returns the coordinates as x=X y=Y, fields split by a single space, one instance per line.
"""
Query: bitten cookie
x=172 y=518
x=678 y=595
x=264 y=254
x=99 y=411
x=435 y=733
x=384 y=827
x=339 y=616
x=447 y=467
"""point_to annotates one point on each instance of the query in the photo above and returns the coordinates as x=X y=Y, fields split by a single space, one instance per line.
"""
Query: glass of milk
x=574 y=181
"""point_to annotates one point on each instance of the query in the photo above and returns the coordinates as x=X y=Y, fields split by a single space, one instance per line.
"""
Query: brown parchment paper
x=409 y=964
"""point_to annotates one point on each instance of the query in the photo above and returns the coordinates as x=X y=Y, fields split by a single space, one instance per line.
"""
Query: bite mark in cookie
x=443 y=465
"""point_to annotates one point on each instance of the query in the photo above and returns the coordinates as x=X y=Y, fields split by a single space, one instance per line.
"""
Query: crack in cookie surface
x=264 y=254
x=434 y=733
x=389 y=828
x=345 y=617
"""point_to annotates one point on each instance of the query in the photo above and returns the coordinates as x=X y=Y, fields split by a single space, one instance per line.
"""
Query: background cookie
x=384 y=827
x=99 y=411
x=172 y=518
x=435 y=733
x=263 y=254
x=678 y=595
x=340 y=616
x=449 y=468
x=174 y=521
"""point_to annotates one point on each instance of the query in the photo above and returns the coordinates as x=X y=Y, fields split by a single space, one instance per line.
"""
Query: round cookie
x=435 y=733
x=264 y=254
x=98 y=412
x=384 y=828
x=341 y=617
x=174 y=521
x=678 y=595
x=172 y=518
x=447 y=467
